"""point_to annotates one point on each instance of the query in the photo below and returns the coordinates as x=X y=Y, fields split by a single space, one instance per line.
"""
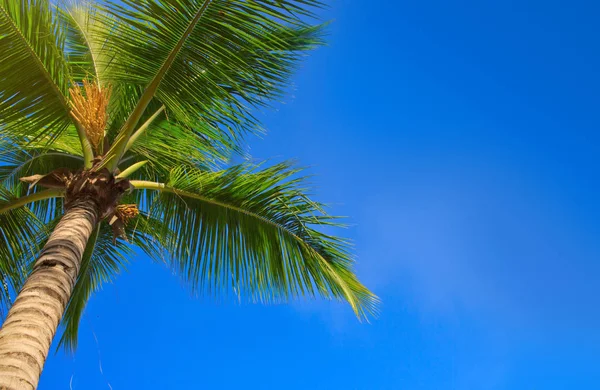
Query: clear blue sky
x=462 y=137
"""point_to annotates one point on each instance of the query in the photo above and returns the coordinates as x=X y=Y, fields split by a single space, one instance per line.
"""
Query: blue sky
x=462 y=139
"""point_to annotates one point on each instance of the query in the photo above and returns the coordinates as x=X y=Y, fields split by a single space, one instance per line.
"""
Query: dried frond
x=89 y=110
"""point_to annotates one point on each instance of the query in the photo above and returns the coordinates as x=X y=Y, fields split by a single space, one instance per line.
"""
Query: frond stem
x=142 y=129
x=131 y=169
x=22 y=201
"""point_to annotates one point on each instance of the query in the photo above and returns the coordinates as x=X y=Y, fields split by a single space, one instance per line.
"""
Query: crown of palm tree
x=155 y=96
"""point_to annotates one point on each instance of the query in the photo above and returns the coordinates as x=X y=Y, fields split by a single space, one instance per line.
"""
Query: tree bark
x=31 y=323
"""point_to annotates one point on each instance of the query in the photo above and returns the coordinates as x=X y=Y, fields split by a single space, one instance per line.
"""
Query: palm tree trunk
x=27 y=333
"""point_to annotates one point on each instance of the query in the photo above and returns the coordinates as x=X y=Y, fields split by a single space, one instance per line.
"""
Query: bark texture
x=32 y=321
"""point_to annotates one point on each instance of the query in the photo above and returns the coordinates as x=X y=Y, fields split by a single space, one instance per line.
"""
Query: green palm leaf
x=20 y=241
x=31 y=38
x=203 y=59
x=162 y=143
x=253 y=231
x=33 y=95
x=87 y=52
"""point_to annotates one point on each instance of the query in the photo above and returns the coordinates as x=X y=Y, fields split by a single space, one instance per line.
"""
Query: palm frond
x=179 y=37
x=87 y=53
x=32 y=94
x=67 y=142
x=204 y=59
x=20 y=232
x=163 y=143
x=254 y=232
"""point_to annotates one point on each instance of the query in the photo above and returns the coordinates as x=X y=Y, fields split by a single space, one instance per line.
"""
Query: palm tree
x=116 y=122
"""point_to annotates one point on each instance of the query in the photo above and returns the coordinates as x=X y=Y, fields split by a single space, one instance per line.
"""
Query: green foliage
x=185 y=76
x=253 y=231
x=162 y=145
x=85 y=51
x=19 y=244
x=202 y=59
x=34 y=75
